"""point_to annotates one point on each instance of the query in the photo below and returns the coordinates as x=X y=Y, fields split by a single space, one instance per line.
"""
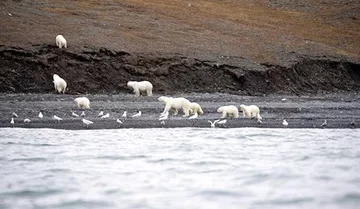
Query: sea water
x=180 y=168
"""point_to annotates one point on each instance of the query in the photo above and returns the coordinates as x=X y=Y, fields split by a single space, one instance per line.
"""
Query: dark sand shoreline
x=299 y=111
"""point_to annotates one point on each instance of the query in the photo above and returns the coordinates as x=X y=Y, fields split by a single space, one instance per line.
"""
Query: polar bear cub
x=61 y=41
x=82 y=102
x=251 y=111
x=139 y=86
x=230 y=110
x=175 y=104
x=59 y=84
x=195 y=108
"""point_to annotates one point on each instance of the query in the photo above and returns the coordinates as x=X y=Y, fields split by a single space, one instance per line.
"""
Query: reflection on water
x=180 y=168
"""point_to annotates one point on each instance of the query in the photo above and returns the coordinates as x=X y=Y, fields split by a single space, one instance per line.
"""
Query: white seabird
x=74 y=114
x=162 y=123
x=87 y=122
x=137 y=114
x=324 y=124
x=193 y=116
x=58 y=119
x=285 y=123
x=101 y=113
x=124 y=114
x=12 y=122
x=107 y=115
x=213 y=124
x=222 y=122
x=83 y=114
x=40 y=115
x=119 y=121
x=27 y=120
x=14 y=115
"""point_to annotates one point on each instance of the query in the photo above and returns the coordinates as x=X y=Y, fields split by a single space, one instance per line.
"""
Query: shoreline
x=299 y=111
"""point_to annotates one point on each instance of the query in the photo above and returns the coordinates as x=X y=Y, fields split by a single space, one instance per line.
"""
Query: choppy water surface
x=180 y=168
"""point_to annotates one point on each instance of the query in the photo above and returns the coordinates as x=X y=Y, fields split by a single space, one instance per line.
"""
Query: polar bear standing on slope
x=175 y=103
x=139 y=86
x=61 y=41
x=82 y=102
x=195 y=108
x=59 y=83
x=251 y=111
x=230 y=110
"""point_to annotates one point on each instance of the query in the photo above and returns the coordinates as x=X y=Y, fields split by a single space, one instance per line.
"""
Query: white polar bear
x=61 y=41
x=230 y=110
x=139 y=86
x=195 y=108
x=251 y=111
x=59 y=83
x=175 y=104
x=83 y=102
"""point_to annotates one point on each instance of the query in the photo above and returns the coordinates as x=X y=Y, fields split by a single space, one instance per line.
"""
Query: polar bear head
x=131 y=84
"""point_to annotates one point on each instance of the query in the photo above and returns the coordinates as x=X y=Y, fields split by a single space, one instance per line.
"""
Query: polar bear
x=251 y=111
x=61 y=41
x=139 y=86
x=230 y=110
x=195 y=108
x=175 y=104
x=59 y=83
x=82 y=102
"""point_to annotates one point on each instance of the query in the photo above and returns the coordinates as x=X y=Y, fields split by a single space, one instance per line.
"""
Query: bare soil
x=216 y=51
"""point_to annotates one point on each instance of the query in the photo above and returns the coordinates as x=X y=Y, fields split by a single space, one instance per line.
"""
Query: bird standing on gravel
x=58 y=119
x=107 y=115
x=101 y=113
x=124 y=114
x=137 y=114
x=83 y=114
x=27 y=120
x=74 y=114
x=40 y=115
x=222 y=122
x=324 y=124
x=12 y=122
x=87 y=122
x=285 y=123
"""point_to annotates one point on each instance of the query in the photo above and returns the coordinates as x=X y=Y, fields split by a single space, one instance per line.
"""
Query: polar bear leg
x=137 y=92
x=149 y=92
x=166 y=109
x=224 y=114
x=186 y=111
x=236 y=114
x=175 y=111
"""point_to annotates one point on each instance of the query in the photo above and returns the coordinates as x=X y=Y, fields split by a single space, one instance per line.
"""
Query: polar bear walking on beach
x=61 y=41
x=230 y=110
x=175 y=104
x=82 y=102
x=195 y=108
x=59 y=83
x=139 y=86
x=251 y=111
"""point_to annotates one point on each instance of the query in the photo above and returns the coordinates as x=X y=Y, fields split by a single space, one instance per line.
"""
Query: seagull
x=283 y=99
x=222 y=122
x=12 y=122
x=119 y=121
x=162 y=123
x=324 y=124
x=87 y=122
x=353 y=124
x=137 y=114
x=124 y=114
x=83 y=114
x=193 y=116
x=40 y=115
x=14 y=115
x=285 y=123
x=101 y=113
x=27 y=120
x=107 y=115
x=74 y=114
x=58 y=119
x=212 y=124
